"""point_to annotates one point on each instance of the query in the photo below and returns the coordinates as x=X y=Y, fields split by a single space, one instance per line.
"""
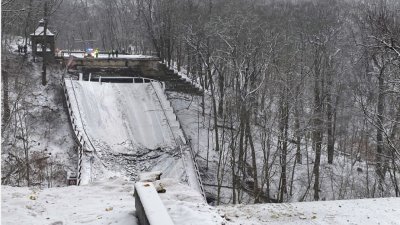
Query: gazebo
x=38 y=39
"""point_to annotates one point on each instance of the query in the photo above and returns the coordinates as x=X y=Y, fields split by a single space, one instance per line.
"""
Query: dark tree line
x=286 y=77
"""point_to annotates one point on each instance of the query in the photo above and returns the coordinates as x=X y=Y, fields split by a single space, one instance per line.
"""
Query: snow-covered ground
x=106 y=202
x=47 y=132
x=111 y=202
x=362 y=211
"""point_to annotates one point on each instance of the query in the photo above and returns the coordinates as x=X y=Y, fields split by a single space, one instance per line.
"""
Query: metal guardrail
x=180 y=145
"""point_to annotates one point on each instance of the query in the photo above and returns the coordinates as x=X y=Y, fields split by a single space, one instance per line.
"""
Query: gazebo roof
x=39 y=30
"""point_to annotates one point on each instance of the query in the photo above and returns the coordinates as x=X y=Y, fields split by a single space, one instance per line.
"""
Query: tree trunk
x=254 y=162
x=6 y=106
x=283 y=136
x=317 y=123
x=379 y=126
x=298 y=133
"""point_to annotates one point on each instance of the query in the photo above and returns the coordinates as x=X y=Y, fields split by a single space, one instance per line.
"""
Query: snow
x=49 y=130
x=184 y=75
x=152 y=205
x=121 y=117
x=187 y=206
x=363 y=211
x=39 y=32
x=132 y=128
x=150 y=176
x=109 y=202
x=106 y=202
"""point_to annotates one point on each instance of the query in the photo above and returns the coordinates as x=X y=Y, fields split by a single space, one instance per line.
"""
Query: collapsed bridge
x=127 y=128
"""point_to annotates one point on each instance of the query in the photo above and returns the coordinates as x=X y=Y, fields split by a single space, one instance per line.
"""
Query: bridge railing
x=134 y=79
x=180 y=146
x=193 y=157
x=81 y=136
x=78 y=134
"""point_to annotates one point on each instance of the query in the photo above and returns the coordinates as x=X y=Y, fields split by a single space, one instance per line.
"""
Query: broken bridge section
x=131 y=128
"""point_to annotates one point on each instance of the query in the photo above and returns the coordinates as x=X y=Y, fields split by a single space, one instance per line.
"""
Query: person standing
x=96 y=53
x=112 y=53
x=116 y=53
x=25 y=49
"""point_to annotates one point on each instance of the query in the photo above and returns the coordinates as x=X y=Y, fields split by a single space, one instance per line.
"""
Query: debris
x=274 y=216
x=302 y=217
x=32 y=197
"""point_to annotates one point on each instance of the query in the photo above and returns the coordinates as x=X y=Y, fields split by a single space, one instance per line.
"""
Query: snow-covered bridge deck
x=130 y=128
x=122 y=116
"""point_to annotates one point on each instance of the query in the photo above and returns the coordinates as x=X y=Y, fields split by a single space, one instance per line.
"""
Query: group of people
x=95 y=53
x=112 y=53
x=22 y=49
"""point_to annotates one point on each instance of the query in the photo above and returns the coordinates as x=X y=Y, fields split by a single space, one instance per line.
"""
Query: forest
x=303 y=95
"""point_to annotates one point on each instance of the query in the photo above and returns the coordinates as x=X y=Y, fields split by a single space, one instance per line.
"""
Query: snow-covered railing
x=197 y=171
x=180 y=146
x=134 y=79
x=90 y=146
x=168 y=123
x=193 y=157
x=149 y=208
x=78 y=134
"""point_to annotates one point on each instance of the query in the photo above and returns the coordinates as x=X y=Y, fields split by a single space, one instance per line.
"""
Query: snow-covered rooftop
x=39 y=30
